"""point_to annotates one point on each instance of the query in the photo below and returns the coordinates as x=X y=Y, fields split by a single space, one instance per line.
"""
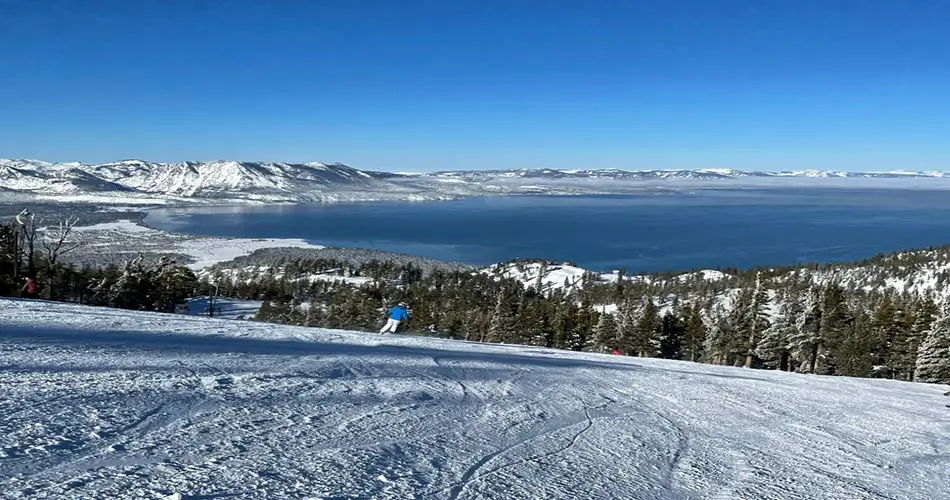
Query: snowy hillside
x=103 y=403
x=227 y=181
x=138 y=181
x=923 y=272
x=546 y=278
x=549 y=277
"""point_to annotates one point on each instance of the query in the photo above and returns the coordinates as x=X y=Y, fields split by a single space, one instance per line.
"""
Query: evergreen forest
x=873 y=318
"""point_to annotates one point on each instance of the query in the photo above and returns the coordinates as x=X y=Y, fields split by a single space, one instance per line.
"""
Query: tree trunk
x=813 y=360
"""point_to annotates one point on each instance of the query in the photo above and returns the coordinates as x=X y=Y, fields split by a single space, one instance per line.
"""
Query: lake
x=641 y=233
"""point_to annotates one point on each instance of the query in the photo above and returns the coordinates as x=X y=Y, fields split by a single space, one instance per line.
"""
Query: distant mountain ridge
x=264 y=182
x=702 y=173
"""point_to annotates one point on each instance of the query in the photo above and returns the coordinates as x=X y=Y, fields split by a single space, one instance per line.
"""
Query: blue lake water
x=651 y=232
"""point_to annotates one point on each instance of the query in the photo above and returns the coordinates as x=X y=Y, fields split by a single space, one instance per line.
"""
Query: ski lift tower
x=211 y=299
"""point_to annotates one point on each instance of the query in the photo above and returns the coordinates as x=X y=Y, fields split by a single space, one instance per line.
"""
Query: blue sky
x=421 y=85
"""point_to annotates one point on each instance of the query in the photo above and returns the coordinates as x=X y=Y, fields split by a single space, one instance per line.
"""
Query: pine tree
x=536 y=325
x=646 y=339
x=933 y=358
x=805 y=341
x=586 y=321
x=756 y=321
x=775 y=344
x=858 y=351
x=605 y=334
x=170 y=284
x=565 y=322
x=694 y=334
x=904 y=351
x=504 y=321
x=887 y=330
x=628 y=315
x=718 y=338
x=670 y=337
x=267 y=312
x=131 y=289
x=835 y=321
x=315 y=314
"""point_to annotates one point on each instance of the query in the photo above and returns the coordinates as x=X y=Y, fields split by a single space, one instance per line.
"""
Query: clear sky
x=421 y=85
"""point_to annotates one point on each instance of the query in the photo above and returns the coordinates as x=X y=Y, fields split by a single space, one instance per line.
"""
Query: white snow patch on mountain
x=120 y=226
x=105 y=403
x=544 y=278
x=210 y=251
x=569 y=278
x=705 y=274
x=206 y=251
x=250 y=274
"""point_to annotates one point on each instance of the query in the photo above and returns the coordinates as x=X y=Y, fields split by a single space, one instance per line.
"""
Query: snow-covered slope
x=102 y=403
x=257 y=182
x=546 y=277
x=217 y=180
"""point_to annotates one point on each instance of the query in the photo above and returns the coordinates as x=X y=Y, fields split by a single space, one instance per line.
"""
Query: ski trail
x=470 y=474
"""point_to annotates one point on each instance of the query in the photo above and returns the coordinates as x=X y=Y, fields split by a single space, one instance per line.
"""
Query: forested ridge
x=884 y=316
x=880 y=317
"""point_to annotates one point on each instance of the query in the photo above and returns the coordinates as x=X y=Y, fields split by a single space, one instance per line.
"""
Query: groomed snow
x=105 y=403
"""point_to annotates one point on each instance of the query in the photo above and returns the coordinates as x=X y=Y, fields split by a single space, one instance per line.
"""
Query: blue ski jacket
x=397 y=313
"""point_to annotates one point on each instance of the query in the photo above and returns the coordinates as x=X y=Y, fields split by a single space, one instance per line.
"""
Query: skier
x=30 y=288
x=615 y=351
x=396 y=314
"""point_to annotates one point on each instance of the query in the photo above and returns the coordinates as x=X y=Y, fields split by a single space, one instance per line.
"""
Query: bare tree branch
x=57 y=241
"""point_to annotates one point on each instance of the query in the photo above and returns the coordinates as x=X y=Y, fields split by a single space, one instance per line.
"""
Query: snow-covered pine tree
x=774 y=346
x=628 y=315
x=718 y=338
x=805 y=340
x=733 y=329
x=756 y=321
x=888 y=326
x=933 y=358
x=902 y=359
x=857 y=351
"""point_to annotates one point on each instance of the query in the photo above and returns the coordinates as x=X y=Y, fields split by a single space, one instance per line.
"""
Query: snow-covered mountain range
x=262 y=182
x=107 y=403
x=703 y=173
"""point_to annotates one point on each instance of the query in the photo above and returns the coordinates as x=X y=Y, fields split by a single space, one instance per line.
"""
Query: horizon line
x=555 y=169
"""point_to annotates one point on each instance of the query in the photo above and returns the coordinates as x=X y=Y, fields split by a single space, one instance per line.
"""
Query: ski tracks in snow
x=341 y=415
